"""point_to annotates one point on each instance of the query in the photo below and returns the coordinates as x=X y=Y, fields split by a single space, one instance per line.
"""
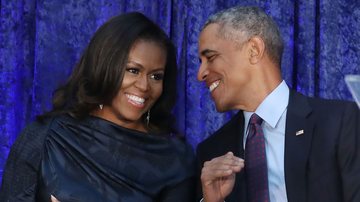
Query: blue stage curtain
x=40 y=41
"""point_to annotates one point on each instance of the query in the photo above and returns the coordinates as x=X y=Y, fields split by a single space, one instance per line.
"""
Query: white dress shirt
x=273 y=112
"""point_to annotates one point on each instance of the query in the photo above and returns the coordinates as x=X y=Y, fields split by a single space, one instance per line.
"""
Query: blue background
x=40 y=41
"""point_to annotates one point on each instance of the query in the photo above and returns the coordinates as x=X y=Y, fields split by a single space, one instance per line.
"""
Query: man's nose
x=202 y=73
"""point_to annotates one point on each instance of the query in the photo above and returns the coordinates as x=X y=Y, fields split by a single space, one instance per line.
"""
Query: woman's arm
x=19 y=181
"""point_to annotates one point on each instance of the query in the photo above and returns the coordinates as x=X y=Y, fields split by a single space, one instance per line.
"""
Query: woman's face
x=141 y=87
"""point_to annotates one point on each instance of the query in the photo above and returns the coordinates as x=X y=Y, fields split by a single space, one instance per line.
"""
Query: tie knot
x=255 y=119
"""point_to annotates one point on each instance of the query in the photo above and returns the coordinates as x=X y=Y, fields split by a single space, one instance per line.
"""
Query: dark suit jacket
x=323 y=164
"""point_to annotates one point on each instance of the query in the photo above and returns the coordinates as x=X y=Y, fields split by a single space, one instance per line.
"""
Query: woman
x=109 y=136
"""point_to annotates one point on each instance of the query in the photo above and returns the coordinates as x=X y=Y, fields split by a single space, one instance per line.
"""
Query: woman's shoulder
x=180 y=143
x=42 y=125
x=38 y=128
x=183 y=149
x=31 y=139
x=38 y=125
x=33 y=135
x=23 y=162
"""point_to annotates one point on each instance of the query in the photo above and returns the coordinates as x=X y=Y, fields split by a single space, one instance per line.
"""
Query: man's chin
x=220 y=108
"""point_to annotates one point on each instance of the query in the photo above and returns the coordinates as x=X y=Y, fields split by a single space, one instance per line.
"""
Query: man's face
x=225 y=68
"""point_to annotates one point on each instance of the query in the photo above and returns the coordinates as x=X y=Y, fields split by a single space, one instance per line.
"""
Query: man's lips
x=214 y=85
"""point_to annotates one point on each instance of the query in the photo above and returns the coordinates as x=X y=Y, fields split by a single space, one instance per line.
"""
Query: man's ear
x=256 y=49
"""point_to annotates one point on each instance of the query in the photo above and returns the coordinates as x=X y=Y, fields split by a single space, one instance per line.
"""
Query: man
x=295 y=148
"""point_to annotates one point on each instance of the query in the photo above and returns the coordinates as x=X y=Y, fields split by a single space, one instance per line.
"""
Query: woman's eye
x=133 y=70
x=157 y=77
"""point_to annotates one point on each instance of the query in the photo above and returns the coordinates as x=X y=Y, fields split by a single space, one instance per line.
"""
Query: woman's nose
x=142 y=83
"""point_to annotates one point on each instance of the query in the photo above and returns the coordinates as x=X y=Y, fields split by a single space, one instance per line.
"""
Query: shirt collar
x=273 y=106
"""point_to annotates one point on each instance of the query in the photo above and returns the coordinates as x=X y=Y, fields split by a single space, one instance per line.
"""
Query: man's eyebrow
x=206 y=52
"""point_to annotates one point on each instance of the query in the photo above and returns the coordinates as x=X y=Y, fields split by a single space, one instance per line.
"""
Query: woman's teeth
x=135 y=99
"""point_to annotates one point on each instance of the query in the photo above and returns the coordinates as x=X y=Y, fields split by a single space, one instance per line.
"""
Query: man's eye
x=133 y=70
x=211 y=58
x=157 y=76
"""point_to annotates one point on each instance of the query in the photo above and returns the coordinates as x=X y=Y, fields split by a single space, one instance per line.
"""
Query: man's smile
x=214 y=85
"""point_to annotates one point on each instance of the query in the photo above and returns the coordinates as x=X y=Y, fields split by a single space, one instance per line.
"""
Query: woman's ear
x=256 y=49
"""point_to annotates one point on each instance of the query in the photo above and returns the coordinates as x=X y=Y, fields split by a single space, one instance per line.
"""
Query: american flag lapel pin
x=300 y=132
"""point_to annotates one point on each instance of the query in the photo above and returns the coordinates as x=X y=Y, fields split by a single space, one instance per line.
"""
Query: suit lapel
x=232 y=136
x=298 y=136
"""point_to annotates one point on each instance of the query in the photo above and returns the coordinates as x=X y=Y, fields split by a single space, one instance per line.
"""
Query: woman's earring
x=148 y=118
x=101 y=106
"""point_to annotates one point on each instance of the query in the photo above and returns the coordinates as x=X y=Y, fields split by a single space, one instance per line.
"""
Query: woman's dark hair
x=98 y=76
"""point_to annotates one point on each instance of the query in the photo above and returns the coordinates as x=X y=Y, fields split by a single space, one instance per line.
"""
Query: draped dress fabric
x=96 y=160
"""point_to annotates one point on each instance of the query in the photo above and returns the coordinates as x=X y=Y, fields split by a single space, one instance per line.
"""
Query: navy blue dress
x=96 y=160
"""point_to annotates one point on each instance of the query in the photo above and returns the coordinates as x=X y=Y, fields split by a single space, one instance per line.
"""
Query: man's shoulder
x=323 y=104
x=324 y=113
x=224 y=138
x=224 y=130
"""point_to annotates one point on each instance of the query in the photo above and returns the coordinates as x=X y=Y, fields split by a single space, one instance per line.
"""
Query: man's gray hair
x=242 y=23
